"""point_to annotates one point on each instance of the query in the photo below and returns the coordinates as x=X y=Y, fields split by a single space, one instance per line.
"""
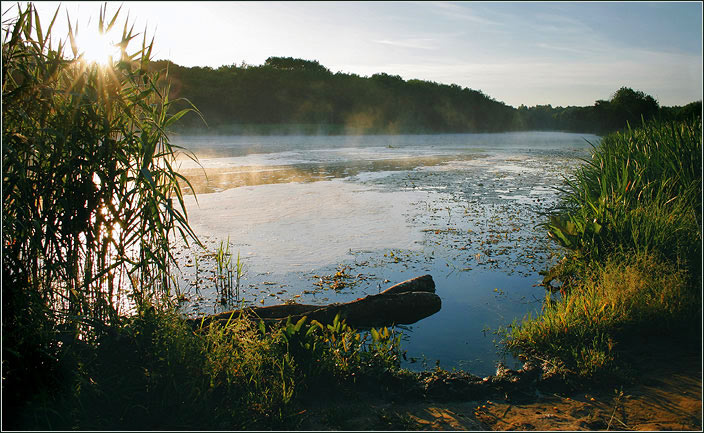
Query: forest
x=295 y=95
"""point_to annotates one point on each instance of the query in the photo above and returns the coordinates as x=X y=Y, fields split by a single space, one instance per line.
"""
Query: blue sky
x=559 y=53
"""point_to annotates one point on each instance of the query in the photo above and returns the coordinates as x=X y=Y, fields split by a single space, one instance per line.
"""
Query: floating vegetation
x=342 y=279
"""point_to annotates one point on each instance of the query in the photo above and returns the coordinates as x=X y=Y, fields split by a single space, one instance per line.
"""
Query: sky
x=531 y=53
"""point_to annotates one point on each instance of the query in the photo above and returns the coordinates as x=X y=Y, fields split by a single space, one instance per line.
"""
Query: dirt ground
x=667 y=397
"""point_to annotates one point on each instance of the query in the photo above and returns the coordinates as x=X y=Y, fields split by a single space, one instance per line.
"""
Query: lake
x=377 y=210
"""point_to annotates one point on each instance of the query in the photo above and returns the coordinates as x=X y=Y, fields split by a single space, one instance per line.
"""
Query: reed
x=91 y=202
x=228 y=273
x=238 y=274
x=90 y=195
x=640 y=190
x=631 y=221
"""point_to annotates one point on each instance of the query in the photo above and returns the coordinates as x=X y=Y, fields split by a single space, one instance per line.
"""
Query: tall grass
x=640 y=191
x=90 y=196
x=631 y=218
x=616 y=304
x=156 y=373
x=90 y=203
x=89 y=191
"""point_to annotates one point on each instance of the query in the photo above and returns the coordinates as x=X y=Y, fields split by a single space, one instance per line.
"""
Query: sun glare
x=98 y=48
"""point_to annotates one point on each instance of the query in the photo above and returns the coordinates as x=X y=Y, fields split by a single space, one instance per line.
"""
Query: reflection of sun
x=97 y=48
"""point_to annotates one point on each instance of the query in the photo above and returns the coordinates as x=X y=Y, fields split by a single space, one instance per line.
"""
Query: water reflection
x=213 y=179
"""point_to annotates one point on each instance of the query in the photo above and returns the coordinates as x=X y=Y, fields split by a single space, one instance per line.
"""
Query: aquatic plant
x=239 y=273
x=228 y=274
x=222 y=260
x=195 y=264
x=641 y=190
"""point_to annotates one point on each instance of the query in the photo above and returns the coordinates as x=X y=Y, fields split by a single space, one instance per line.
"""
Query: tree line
x=287 y=92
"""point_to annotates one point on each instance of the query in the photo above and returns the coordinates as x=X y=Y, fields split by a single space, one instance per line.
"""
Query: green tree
x=630 y=106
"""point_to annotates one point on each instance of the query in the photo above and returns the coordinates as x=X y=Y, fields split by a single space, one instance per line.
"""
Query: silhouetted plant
x=90 y=197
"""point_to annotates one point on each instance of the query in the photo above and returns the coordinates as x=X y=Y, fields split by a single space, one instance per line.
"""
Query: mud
x=667 y=395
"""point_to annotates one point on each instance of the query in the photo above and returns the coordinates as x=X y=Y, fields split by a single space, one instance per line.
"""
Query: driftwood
x=403 y=303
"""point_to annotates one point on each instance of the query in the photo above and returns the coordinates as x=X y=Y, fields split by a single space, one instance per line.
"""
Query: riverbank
x=666 y=396
x=158 y=377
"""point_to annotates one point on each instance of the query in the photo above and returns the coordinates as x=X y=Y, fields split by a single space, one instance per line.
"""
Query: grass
x=159 y=373
x=617 y=301
x=631 y=220
x=640 y=191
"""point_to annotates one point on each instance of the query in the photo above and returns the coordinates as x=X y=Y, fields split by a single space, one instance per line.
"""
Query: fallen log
x=424 y=283
x=403 y=303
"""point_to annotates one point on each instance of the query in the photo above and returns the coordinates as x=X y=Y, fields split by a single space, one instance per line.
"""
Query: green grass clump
x=631 y=220
x=157 y=372
x=641 y=191
x=627 y=296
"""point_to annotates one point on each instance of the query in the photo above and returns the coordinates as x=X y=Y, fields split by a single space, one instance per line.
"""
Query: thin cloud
x=560 y=48
x=451 y=10
x=561 y=23
x=421 y=44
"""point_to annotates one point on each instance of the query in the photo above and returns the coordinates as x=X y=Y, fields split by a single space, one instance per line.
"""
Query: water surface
x=381 y=209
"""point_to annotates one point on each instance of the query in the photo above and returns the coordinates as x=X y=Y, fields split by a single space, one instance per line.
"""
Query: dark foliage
x=287 y=91
x=295 y=95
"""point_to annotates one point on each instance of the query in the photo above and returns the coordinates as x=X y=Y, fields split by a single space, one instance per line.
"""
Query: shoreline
x=667 y=396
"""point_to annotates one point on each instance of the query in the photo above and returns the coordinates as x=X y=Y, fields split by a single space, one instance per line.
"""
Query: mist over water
x=382 y=209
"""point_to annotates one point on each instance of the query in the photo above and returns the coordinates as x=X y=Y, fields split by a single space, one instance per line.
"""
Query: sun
x=98 y=48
